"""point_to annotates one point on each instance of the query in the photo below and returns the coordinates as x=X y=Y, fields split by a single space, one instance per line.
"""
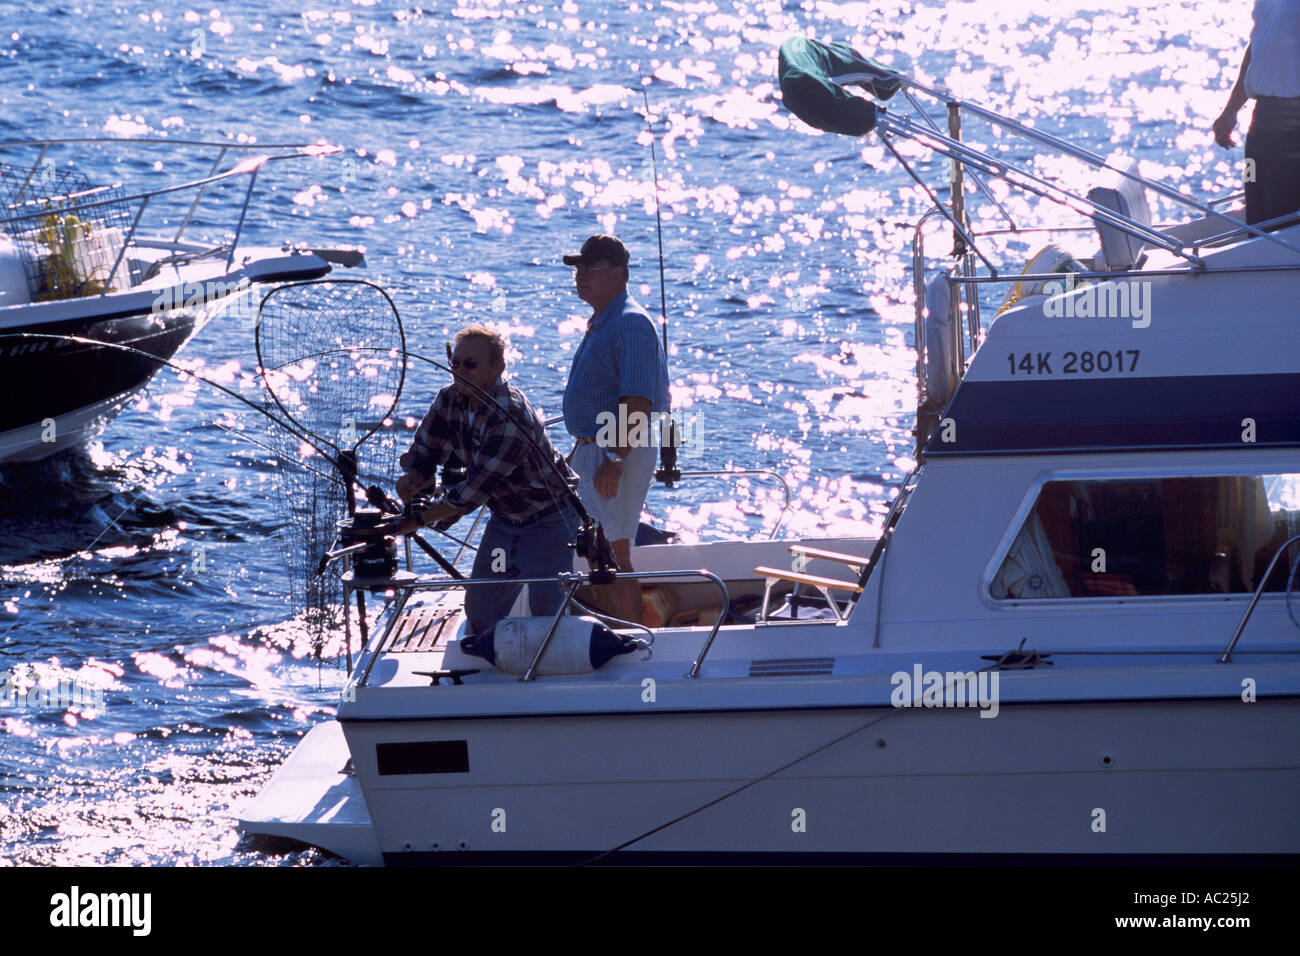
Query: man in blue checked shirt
x=618 y=382
x=511 y=467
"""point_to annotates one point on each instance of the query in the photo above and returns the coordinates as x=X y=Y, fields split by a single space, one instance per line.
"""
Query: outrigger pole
x=668 y=472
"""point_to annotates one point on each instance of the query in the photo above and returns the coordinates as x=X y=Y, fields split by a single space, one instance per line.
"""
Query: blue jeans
x=540 y=548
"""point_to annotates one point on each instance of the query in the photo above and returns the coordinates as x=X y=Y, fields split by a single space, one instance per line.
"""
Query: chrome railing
x=570 y=582
x=249 y=167
x=1259 y=591
x=966 y=332
x=890 y=124
x=893 y=122
x=750 y=472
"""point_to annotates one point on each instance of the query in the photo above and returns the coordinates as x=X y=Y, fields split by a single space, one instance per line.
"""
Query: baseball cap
x=599 y=249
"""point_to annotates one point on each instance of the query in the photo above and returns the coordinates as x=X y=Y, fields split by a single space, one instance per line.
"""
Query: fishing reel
x=372 y=545
x=590 y=542
x=422 y=503
x=668 y=472
x=418 y=505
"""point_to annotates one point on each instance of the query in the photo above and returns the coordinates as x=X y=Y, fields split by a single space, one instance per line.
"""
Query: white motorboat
x=91 y=305
x=1075 y=637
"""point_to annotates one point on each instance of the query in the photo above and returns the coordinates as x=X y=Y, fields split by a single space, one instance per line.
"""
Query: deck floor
x=419 y=629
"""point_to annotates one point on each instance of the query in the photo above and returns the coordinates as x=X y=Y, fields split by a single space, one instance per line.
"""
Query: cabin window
x=1151 y=536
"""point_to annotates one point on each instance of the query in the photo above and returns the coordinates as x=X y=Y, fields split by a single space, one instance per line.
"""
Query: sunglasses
x=468 y=364
x=587 y=270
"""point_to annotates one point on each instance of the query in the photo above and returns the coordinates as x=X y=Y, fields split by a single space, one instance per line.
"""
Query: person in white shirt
x=1270 y=74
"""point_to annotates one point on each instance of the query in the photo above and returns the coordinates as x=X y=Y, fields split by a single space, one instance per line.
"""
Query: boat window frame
x=1110 y=602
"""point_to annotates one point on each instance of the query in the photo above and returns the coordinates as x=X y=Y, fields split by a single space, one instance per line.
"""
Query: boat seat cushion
x=1120 y=250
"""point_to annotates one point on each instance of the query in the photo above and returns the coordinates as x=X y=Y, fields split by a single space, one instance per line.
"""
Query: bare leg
x=622 y=598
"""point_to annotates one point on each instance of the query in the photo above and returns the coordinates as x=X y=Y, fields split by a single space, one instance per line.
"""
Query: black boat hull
x=57 y=393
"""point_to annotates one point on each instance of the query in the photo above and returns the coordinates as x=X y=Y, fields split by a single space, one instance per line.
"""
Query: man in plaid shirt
x=508 y=462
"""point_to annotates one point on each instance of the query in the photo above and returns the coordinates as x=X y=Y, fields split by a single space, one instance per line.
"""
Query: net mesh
x=68 y=234
x=331 y=357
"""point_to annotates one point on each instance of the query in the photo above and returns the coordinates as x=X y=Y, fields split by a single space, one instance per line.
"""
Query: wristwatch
x=612 y=456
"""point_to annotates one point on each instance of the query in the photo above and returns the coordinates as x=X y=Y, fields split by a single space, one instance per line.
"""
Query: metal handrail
x=918 y=297
x=958 y=228
x=1121 y=274
x=979 y=181
x=1040 y=187
x=1224 y=200
x=1001 y=167
x=918 y=303
x=1287 y=218
x=247 y=167
x=195 y=205
x=785 y=486
x=571 y=581
x=974 y=319
x=1227 y=653
x=241 y=169
x=150 y=141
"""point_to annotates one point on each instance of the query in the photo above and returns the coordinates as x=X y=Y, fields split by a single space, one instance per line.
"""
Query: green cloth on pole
x=809 y=71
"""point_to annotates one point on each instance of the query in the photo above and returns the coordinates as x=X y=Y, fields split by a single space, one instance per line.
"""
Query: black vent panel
x=792 y=667
x=424 y=756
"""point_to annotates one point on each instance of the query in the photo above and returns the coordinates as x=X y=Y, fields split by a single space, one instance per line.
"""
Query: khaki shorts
x=620 y=515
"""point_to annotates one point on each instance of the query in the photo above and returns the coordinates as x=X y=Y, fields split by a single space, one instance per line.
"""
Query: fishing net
x=331 y=355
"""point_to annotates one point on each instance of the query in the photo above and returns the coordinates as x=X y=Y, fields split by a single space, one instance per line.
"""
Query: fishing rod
x=659 y=226
x=590 y=540
x=297 y=433
x=667 y=472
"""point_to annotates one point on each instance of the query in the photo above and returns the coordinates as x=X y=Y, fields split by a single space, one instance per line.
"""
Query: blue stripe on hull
x=1200 y=411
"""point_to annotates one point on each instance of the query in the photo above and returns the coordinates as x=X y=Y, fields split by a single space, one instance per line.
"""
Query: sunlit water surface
x=482 y=140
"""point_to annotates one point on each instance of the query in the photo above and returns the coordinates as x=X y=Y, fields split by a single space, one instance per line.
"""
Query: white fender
x=512 y=643
x=940 y=365
x=13 y=278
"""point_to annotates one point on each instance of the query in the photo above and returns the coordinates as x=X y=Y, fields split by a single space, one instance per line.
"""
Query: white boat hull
x=56 y=394
x=314 y=800
x=1195 y=778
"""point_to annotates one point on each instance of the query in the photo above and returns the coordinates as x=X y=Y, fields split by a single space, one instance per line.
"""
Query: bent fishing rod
x=590 y=540
x=301 y=434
